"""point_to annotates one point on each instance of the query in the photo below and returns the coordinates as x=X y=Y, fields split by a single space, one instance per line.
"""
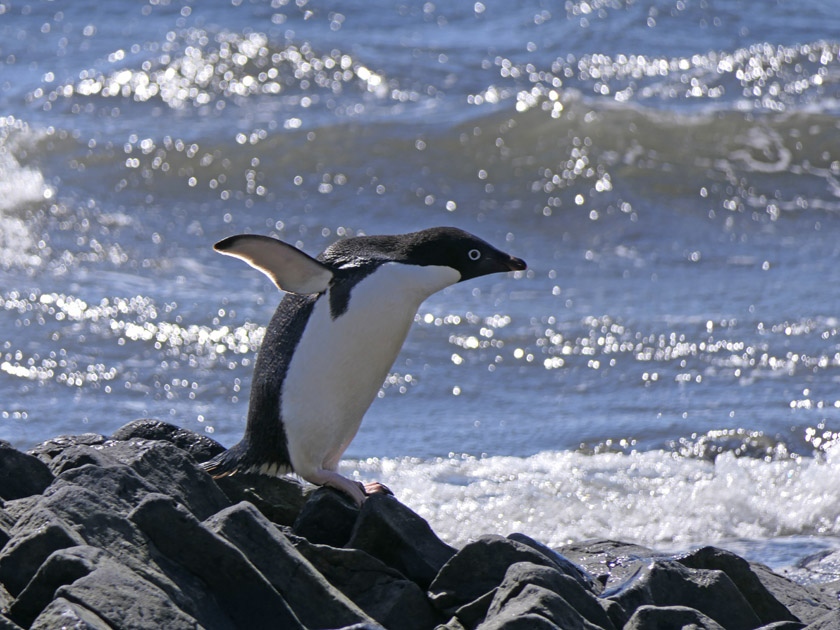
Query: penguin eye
x=474 y=254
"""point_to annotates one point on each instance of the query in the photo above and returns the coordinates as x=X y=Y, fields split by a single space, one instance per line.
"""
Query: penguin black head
x=451 y=247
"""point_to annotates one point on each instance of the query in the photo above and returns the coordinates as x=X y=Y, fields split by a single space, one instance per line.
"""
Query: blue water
x=669 y=170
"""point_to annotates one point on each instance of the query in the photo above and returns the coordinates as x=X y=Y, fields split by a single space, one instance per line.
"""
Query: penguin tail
x=227 y=463
x=242 y=459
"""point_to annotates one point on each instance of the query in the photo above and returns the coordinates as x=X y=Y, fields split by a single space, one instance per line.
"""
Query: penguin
x=334 y=337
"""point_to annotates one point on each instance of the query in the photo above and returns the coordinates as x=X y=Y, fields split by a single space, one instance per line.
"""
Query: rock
x=807 y=603
x=522 y=574
x=68 y=616
x=380 y=591
x=245 y=596
x=48 y=450
x=21 y=475
x=280 y=499
x=172 y=472
x=199 y=446
x=561 y=562
x=124 y=600
x=534 y=601
x=327 y=518
x=783 y=625
x=669 y=583
x=670 y=618
x=27 y=550
x=829 y=621
x=762 y=601
x=388 y=530
x=611 y=562
x=312 y=598
x=64 y=566
x=479 y=567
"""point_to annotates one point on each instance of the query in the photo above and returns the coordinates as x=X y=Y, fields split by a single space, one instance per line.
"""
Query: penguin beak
x=516 y=264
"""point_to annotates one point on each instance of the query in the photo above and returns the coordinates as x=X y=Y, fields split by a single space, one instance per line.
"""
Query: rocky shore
x=127 y=532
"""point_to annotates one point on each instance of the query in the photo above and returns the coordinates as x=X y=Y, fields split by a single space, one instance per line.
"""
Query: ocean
x=667 y=371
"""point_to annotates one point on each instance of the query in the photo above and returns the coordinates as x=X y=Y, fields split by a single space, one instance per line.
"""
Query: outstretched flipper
x=289 y=268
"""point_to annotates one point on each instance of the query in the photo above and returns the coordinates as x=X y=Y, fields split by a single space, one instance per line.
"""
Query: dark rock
x=242 y=592
x=64 y=566
x=452 y=624
x=126 y=601
x=670 y=618
x=327 y=518
x=8 y=624
x=21 y=475
x=77 y=456
x=280 y=499
x=830 y=621
x=765 y=605
x=199 y=446
x=68 y=616
x=380 y=591
x=533 y=600
x=388 y=530
x=28 y=549
x=314 y=600
x=470 y=615
x=561 y=562
x=478 y=568
x=522 y=574
x=521 y=621
x=367 y=625
x=172 y=472
x=783 y=625
x=611 y=562
x=807 y=603
x=668 y=583
x=97 y=514
x=48 y=450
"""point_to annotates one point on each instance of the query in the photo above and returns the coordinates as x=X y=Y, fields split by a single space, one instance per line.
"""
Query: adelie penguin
x=332 y=340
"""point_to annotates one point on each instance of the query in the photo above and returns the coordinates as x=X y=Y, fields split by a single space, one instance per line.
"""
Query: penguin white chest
x=339 y=364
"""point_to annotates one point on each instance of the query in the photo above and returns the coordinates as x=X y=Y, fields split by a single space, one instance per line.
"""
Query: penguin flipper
x=289 y=268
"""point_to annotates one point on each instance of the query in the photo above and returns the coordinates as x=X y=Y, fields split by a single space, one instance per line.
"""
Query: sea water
x=667 y=371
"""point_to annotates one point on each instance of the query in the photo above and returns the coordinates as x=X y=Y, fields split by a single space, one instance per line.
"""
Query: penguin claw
x=377 y=488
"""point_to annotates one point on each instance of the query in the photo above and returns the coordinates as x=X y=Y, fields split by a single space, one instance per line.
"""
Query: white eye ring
x=474 y=254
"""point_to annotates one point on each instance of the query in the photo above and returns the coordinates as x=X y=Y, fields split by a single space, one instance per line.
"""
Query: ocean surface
x=667 y=371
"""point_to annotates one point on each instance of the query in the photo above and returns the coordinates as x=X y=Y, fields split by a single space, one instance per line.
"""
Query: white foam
x=652 y=497
x=19 y=186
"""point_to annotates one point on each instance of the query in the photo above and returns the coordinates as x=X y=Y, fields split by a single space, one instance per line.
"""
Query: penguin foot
x=322 y=477
x=377 y=488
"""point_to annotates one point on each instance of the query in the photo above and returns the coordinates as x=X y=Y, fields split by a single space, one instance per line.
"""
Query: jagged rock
x=783 y=625
x=64 y=566
x=807 y=603
x=388 y=530
x=611 y=562
x=241 y=591
x=280 y=499
x=124 y=600
x=478 y=568
x=68 y=616
x=668 y=583
x=46 y=451
x=670 y=618
x=21 y=475
x=8 y=624
x=27 y=550
x=522 y=574
x=172 y=472
x=561 y=563
x=314 y=600
x=380 y=591
x=327 y=518
x=535 y=601
x=762 y=601
x=829 y=621
x=199 y=446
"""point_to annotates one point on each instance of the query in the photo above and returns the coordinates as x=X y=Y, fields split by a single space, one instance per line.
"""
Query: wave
x=651 y=497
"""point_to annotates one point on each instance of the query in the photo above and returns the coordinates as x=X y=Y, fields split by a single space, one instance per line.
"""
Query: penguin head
x=450 y=247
